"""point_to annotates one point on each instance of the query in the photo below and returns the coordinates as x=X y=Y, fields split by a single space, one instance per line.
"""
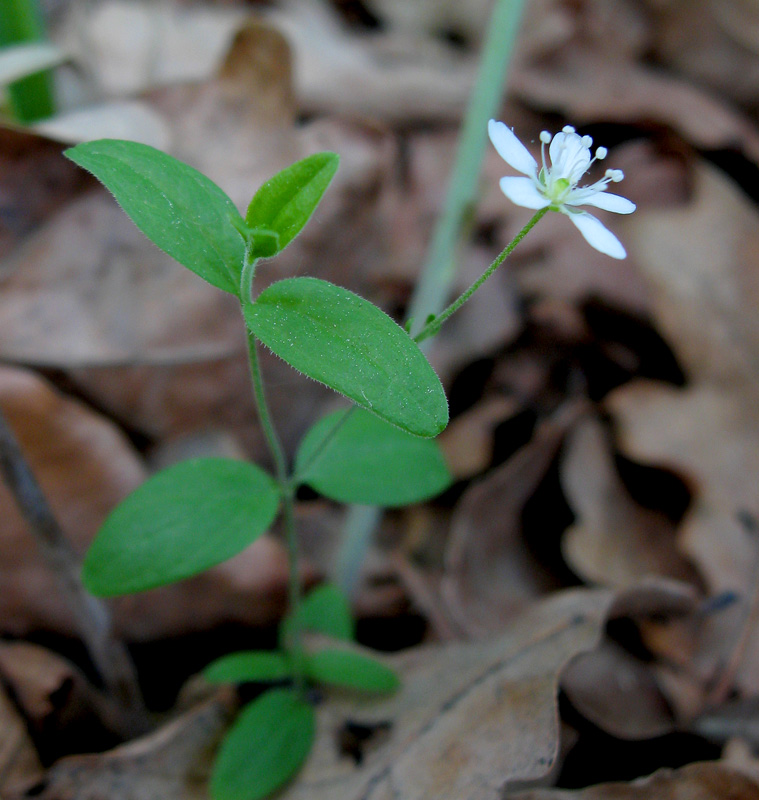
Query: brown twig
x=93 y=617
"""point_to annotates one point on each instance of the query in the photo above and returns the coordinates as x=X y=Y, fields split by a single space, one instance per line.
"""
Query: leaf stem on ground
x=125 y=712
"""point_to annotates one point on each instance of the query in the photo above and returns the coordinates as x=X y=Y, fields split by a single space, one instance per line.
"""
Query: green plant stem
x=287 y=491
x=440 y=263
x=433 y=326
x=286 y=483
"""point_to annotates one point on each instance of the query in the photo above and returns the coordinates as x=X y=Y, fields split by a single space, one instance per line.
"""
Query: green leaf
x=266 y=746
x=178 y=523
x=325 y=609
x=369 y=462
x=347 y=343
x=250 y=665
x=180 y=210
x=350 y=670
x=285 y=203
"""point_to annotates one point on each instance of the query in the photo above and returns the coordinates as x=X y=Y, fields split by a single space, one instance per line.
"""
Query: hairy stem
x=286 y=483
x=93 y=617
x=433 y=326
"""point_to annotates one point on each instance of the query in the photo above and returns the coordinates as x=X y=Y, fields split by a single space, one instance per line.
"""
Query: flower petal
x=523 y=192
x=596 y=235
x=510 y=149
x=606 y=201
x=570 y=158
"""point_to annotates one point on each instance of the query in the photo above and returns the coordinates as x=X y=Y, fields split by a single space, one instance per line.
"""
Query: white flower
x=555 y=186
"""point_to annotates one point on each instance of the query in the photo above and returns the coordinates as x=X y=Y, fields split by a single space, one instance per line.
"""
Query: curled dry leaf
x=712 y=42
x=468 y=440
x=175 y=761
x=452 y=724
x=85 y=466
x=127 y=48
x=447 y=733
x=340 y=72
x=58 y=702
x=20 y=766
x=700 y=781
x=618 y=693
x=489 y=572
x=702 y=262
x=586 y=87
x=615 y=541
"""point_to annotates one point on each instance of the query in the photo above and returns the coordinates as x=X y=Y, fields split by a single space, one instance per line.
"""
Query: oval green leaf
x=367 y=461
x=351 y=670
x=285 y=203
x=324 y=609
x=266 y=746
x=338 y=338
x=178 y=523
x=249 y=665
x=180 y=210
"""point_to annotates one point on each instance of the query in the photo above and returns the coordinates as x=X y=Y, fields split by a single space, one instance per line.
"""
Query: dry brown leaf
x=490 y=573
x=586 y=87
x=618 y=693
x=615 y=541
x=89 y=288
x=713 y=43
x=126 y=48
x=702 y=262
x=339 y=72
x=27 y=197
x=174 y=762
x=85 y=466
x=700 y=781
x=468 y=441
x=120 y=119
x=448 y=732
x=453 y=722
x=56 y=698
x=20 y=766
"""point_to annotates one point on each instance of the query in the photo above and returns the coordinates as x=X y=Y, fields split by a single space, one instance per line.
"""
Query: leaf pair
x=273 y=735
x=343 y=668
x=325 y=332
x=189 y=217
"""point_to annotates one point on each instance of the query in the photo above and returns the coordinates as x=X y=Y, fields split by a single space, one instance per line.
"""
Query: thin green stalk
x=286 y=484
x=433 y=326
x=32 y=97
x=439 y=266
